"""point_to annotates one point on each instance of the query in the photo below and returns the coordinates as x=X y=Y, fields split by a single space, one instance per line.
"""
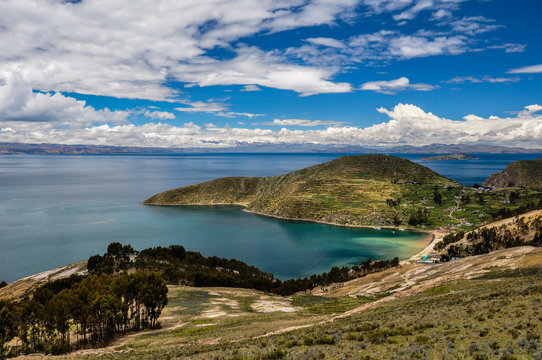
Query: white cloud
x=250 y=88
x=510 y=47
x=163 y=115
x=533 y=69
x=390 y=87
x=54 y=118
x=329 y=42
x=419 y=46
x=254 y=66
x=127 y=48
x=412 y=12
x=403 y=10
x=300 y=122
x=483 y=79
x=18 y=103
x=474 y=25
x=211 y=107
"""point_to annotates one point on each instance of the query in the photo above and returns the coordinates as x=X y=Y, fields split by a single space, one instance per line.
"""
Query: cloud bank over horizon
x=34 y=117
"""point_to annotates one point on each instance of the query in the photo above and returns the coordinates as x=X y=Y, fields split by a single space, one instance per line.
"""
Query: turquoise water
x=56 y=209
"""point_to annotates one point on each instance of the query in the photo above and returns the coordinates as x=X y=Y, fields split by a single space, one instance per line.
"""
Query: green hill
x=523 y=173
x=353 y=190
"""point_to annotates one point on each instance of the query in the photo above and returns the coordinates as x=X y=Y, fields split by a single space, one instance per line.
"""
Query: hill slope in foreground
x=480 y=307
x=352 y=190
x=523 y=173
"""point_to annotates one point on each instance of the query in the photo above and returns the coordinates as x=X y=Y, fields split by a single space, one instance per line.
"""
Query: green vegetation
x=523 y=173
x=449 y=239
x=372 y=190
x=494 y=316
x=82 y=311
x=178 y=266
x=521 y=231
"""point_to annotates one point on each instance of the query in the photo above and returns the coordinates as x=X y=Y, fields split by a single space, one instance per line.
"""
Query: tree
x=437 y=196
x=154 y=296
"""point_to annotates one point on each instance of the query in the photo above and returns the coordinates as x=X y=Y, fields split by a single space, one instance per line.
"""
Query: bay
x=59 y=209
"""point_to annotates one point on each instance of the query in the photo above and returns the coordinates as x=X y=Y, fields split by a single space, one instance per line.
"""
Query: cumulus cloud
x=300 y=122
x=163 y=115
x=390 y=87
x=533 y=69
x=18 y=103
x=59 y=119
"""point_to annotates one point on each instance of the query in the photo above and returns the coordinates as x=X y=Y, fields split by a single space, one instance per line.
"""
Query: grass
x=321 y=305
x=494 y=316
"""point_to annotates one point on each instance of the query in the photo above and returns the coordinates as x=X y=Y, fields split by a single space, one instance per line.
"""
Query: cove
x=60 y=209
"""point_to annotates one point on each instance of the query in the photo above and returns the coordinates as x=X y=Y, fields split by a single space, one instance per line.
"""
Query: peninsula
x=359 y=190
x=523 y=173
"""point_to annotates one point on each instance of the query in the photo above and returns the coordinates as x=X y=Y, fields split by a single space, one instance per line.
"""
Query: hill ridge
x=521 y=173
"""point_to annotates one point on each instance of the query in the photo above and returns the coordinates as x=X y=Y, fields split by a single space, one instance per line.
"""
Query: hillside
x=522 y=230
x=352 y=190
x=460 y=309
x=523 y=173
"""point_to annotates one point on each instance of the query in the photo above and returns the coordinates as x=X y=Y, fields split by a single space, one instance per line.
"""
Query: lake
x=59 y=209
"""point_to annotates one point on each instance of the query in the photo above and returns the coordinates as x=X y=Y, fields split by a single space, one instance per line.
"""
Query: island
x=459 y=156
x=359 y=190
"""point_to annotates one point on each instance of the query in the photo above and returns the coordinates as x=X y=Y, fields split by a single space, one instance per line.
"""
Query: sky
x=229 y=73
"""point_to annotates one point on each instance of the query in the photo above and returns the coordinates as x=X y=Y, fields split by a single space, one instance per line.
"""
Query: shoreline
x=244 y=209
x=436 y=234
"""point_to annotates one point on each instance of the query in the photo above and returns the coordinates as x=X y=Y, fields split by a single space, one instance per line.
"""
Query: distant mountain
x=523 y=173
x=461 y=148
x=22 y=148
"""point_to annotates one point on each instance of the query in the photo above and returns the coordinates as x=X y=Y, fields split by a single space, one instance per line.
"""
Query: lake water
x=59 y=209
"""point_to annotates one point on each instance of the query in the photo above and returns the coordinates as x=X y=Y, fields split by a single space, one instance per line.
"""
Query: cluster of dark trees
x=437 y=196
x=506 y=212
x=420 y=217
x=115 y=260
x=486 y=240
x=449 y=239
x=179 y=266
x=82 y=311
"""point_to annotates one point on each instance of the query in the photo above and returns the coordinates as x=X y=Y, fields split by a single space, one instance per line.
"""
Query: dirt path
x=417 y=289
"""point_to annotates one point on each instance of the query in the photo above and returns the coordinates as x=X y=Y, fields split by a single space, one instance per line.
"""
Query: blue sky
x=215 y=73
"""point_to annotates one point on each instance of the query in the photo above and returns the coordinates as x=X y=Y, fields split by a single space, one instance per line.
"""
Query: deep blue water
x=58 y=209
